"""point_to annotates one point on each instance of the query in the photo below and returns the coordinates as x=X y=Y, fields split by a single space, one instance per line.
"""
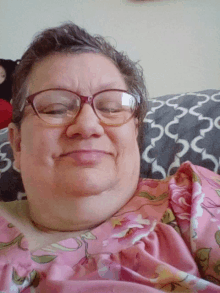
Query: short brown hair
x=70 y=38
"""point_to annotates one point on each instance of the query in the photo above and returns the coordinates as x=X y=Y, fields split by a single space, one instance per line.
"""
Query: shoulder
x=14 y=212
x=9 y=224
x=7 y=208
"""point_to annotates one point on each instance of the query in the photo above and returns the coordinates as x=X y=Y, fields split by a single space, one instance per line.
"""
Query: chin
x=87 y=182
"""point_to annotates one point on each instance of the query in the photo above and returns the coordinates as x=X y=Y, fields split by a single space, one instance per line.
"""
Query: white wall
x=176 y=41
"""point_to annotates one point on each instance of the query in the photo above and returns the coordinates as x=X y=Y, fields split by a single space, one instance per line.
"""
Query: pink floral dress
x=166 y=238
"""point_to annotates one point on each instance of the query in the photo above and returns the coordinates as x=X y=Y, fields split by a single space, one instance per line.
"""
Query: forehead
x=85 y=73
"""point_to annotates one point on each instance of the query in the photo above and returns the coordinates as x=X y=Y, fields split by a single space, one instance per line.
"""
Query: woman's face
x=2 y=74
x=84 y=157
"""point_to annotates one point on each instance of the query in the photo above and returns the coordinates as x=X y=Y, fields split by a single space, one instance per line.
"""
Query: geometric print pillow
x=181 y=128
x=11 y=186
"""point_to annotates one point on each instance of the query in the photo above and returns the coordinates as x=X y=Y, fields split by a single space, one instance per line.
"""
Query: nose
x=86 y=124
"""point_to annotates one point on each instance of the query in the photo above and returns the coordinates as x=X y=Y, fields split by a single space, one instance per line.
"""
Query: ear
x=14 y=136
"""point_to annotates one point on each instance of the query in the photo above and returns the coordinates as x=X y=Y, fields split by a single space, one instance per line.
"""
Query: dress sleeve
x=195 y=209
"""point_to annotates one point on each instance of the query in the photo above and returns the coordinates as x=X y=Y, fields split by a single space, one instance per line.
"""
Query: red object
x=5 y=113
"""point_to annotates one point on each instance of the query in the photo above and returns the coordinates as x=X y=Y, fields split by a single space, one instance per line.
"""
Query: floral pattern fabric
x=165 y=239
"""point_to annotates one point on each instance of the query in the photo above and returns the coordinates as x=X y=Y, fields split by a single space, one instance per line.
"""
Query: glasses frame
x=84 y=100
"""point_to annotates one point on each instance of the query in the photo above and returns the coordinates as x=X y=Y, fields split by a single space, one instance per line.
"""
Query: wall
x=177 y=42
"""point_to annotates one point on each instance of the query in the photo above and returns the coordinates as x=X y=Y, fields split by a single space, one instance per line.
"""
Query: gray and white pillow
x=11 y=186
x=181 y=128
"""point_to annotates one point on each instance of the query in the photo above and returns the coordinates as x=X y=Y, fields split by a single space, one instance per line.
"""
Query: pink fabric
x=166 y=238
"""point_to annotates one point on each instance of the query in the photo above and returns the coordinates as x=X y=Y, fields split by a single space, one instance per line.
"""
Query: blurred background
x=176 y=41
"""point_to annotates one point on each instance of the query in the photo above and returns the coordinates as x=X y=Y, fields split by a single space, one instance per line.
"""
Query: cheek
x=126 y=142
x=128 y=161
x=38 y=145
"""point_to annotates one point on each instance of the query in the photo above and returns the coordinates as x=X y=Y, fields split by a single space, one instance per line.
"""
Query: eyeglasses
x=60 y=106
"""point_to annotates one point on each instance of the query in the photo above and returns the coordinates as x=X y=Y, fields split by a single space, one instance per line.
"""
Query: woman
x=89 y=223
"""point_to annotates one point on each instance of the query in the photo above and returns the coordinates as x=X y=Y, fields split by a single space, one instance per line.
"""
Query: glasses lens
x=114 y=107
x=57 y=107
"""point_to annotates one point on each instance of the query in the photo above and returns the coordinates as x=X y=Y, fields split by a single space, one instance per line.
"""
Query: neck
x=63 y=214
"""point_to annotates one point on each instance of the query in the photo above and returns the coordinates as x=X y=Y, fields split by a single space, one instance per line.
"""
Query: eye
x=109 y=107
x=54 y=109
x=110 y=110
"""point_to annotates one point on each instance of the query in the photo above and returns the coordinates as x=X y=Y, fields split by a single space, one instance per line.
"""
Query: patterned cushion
x=181 y=128
x=11 y=187
x=177 y=128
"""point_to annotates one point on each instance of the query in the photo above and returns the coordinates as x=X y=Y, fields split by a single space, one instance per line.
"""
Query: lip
x=86 y=157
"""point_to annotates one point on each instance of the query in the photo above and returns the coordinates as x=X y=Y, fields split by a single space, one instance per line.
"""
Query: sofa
x=177 y=128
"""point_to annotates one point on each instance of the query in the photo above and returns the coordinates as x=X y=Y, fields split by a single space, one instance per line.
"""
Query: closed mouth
x=86 y=157
x=84 y=151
